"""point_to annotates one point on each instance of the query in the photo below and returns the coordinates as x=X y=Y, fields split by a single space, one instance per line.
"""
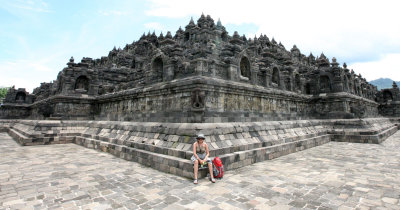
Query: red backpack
x=218 y=169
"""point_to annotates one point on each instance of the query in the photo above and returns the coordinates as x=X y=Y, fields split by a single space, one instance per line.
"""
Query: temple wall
x=161 y=103
x=202 y=99
x=391 y=109
x=64 y=108
x=343 y=106
x=169 y=108
x=245 y=104
x=14 y=112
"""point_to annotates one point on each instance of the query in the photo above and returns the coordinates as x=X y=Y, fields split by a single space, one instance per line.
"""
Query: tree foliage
x=3 y=92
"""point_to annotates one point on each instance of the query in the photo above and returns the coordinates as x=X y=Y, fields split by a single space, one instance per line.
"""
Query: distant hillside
x=383 y=83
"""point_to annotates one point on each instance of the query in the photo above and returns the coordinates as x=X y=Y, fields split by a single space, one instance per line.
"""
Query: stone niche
x=16 y=104
x=82 y=84
x=18 y=96
x=389 y=100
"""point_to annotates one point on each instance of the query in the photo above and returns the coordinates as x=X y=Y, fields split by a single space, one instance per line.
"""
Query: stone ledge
x=361 y=138
x=19 y=137
x=167 y=146
x=183 y=167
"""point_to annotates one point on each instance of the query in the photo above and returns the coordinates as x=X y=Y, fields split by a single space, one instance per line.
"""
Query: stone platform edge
x=167 y=146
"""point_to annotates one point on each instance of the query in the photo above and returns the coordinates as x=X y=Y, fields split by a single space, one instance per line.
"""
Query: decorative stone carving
x=198 y=99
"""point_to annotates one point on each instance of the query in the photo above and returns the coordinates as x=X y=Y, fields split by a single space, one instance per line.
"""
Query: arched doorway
x=297 y=82
x=324 y=84
x=20 y=97
x=157 y=69
x=288 y=84
x=82 y=83
x=275 y=76
x=308 y=89
x=245 y=67
x=387 y=96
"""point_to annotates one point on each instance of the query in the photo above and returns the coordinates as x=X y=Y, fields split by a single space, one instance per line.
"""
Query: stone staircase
x=168 y=146
x=372 y=131
x=29 y=133
x=237 y=145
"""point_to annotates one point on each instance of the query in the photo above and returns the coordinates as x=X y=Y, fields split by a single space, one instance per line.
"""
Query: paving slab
x=336 y=175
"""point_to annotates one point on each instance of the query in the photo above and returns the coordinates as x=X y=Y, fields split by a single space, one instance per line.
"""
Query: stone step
x=148 y=146
x=25 y=130
x=54 y=118
x=262 y=142
x=161 y=162
x=243 y=158
x=375 y=138
x=168 y=147
x=20 y=137
x=183 y=166
x=4 y=125
x=139 y=145
x=43 y=138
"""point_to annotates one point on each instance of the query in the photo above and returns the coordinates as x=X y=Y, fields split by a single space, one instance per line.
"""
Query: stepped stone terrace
x=252 y=98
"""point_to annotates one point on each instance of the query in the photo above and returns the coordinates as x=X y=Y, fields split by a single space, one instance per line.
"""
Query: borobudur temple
x=253 y=99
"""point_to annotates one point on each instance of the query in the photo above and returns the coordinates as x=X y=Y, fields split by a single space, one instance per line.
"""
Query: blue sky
x=39 y=36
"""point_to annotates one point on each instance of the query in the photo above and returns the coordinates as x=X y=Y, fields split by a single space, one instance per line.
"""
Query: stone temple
x=252 y=98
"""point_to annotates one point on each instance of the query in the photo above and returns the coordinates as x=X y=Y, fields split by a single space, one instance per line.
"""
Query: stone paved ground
x=331 y=176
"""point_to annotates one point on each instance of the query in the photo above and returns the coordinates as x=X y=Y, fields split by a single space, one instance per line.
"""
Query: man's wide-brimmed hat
x=201 y=136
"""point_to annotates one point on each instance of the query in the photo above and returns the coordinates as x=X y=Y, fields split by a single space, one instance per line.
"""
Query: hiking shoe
x=195 y=181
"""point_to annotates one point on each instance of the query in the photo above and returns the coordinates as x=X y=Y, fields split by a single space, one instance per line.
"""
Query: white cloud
x=43 y=65
x=386 y=67
x=351 y=31
x=37 y=65
x=27 y=73
x=27 y=5
x=20 y=82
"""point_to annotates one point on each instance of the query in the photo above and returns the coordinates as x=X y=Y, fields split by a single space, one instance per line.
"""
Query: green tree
x=3 y=93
